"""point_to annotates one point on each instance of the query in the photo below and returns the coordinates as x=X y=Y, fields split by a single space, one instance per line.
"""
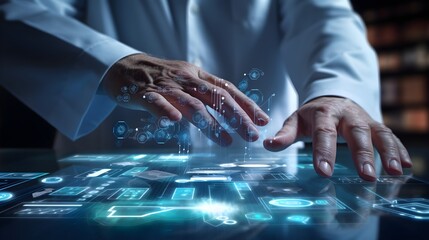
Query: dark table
x=209 y=196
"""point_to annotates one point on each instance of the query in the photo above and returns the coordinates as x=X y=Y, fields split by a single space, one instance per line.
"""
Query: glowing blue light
x=291 y=203
x=52 y=180
x=258 y=216
x=256 y=95
x=5 y=196
x=255 y=74
x=120 y=129
x=229 y=222
x=243 y=84
x=298 y=218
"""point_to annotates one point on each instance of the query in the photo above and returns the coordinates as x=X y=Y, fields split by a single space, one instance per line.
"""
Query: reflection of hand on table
x=175 y=89
x=324 y=119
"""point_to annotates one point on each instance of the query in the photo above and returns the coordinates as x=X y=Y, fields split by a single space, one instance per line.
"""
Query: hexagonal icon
x=165 y=122
x=161 y=136
x=143 y=137
x=243 y=85
x=255 y=74
x=256 y=95
x=126 y=97
x=196 y=117
x=133 y=88
x=120 y=130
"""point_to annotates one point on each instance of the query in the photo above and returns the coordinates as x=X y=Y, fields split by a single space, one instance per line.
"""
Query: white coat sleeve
x=327 y=54
x=54 y=63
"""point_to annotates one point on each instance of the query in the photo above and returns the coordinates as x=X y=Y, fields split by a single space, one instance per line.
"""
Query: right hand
x=175 y=88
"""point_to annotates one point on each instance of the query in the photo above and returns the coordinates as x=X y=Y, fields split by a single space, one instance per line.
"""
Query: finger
x=257 y=115
x=287 y=135
x=403 y=153
x=159 y=106
x=358 y=137
x=196 y=113
x=222 y=102
x=388 y=149
x=324 y=143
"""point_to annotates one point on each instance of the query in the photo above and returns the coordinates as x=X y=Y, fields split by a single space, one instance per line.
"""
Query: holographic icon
x=203 y=124
x=143 y=137
x=126 y=97
x=133 y=88
x=196 y=117
x=243 y=85
x=52 y=180
x=416 y=208
x=298 y=219
x=120 y=129
x=161 y=136
x=291 y=203
x=69 y=191
x=132 y=193
x=124 y=89
x=164 y=122
x=41 y=193
x=255 y=74
x=5 y=196
x=256 y=95
x=183 y=194
x=258 y=216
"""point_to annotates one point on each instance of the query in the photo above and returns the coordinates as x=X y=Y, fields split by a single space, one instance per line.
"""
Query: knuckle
x=197 y=105
x=325 y=130
x=326 y=152
x=359 y=128
x=365 y=154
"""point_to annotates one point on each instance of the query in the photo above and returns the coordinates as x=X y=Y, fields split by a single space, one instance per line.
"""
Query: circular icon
x=203 y=124
x=196 y=118
x=255 y=74
x=142 y=137
x=229 y=222
x=291 y=203
x=161 y=136
x=52 y=180
x=256 y=95
x=5 y=196
x=120 y=130
x=126 y=97
x=258 y=216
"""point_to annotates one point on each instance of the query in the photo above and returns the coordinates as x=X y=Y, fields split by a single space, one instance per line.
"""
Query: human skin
x=177 y=89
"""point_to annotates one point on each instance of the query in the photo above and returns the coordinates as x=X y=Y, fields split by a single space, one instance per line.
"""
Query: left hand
x=324 y=119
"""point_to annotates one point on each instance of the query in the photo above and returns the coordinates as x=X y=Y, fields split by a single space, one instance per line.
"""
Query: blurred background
x=399 y=32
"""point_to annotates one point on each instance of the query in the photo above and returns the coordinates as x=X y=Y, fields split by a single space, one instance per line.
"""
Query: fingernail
x=368 y=170
x=394 y=165
x=325 y=167
x=262 y=119
x=252 y=135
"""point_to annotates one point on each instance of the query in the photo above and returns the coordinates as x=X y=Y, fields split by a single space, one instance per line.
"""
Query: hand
x=175 y=88
x=325 y=118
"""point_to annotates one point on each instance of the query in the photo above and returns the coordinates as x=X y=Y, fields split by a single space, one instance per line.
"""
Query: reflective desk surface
x=204 y=196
